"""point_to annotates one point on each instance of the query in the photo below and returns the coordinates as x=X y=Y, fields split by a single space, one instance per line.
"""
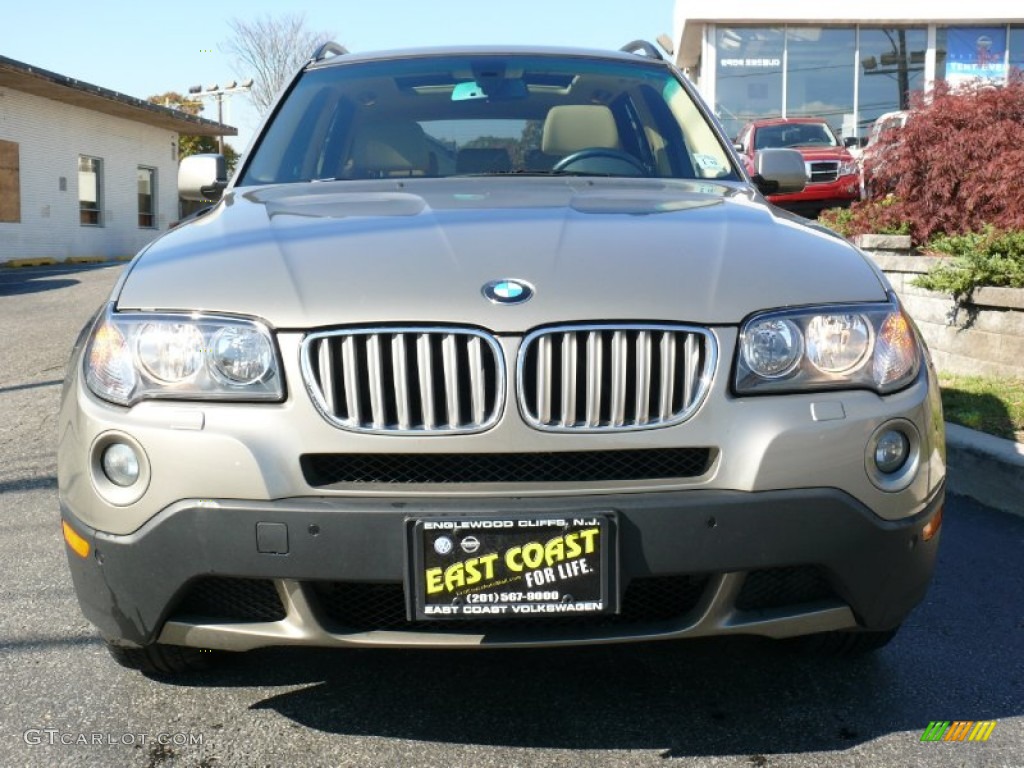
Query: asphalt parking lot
x=738 y=702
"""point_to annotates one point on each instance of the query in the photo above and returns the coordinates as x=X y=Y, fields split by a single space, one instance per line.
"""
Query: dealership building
x=845 y=62
x=86 y=173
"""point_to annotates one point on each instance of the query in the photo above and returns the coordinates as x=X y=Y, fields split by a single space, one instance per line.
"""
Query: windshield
x=795 y=135
x=436 y=116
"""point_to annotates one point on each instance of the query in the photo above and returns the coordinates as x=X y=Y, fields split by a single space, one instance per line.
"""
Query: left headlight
x=849 y=168
x=134 y=356
x=870 y=346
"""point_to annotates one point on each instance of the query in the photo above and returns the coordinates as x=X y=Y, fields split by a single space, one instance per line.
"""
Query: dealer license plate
x=510 y=567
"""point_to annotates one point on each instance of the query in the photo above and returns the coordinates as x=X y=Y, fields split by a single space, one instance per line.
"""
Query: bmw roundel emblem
x=508 y=291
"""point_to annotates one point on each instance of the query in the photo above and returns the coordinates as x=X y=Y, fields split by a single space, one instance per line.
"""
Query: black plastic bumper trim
x=129 y=584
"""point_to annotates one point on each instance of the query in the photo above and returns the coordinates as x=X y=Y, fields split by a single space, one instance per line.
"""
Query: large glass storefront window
x=891 y=69
x=822 y=67
x=820 y=75
x=1016 y=45
x=748 y=74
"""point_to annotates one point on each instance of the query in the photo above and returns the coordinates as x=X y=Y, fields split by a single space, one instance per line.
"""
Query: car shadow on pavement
x=17 y=282
x=958 y=657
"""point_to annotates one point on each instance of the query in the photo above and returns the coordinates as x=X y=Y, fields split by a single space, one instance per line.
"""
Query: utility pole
x=216 y=92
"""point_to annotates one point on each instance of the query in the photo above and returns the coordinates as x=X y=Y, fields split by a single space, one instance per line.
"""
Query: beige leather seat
x=391 y=149
x=572 y=127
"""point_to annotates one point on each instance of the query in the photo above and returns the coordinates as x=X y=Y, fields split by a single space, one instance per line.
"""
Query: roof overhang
x=39 y=82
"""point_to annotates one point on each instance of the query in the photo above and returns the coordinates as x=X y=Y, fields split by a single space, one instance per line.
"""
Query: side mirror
x=202 y=177
x=779 y=171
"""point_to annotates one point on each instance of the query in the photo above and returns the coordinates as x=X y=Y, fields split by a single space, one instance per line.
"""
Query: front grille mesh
x=367 y=607
x=406 y=380
x=613 y=377
x=228 y=599
x=323 y=469
x=822 y=171
x=781 y=587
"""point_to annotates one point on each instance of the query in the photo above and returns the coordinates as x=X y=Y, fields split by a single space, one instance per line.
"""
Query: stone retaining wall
x=983 y=337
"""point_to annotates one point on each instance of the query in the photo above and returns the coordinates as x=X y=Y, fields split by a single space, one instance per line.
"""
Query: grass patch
x=988 y=404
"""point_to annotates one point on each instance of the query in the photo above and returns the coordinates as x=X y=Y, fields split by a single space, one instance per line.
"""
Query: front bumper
x=777 y=563
x=840 y=193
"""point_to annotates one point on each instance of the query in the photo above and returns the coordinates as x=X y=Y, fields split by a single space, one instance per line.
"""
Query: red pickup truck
x=832 y=172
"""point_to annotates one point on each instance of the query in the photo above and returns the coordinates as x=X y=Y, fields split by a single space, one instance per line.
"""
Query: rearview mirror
x=494 y=89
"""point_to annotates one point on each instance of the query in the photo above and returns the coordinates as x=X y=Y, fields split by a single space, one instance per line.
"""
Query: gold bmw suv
x=488 y=347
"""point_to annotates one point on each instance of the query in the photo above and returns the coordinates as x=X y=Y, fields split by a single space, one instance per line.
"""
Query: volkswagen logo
x=508 y=291
x=443 y=545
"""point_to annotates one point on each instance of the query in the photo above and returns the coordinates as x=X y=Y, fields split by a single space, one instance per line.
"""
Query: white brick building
x=84 y=171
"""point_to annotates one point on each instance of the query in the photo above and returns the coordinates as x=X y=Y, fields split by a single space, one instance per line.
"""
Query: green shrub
x=867 y=217
x=988 y=258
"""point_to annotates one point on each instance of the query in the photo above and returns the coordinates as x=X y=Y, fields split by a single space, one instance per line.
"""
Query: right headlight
x=867 y=346
x=133 y=356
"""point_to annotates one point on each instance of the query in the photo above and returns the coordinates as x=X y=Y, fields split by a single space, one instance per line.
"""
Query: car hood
x=311 y=255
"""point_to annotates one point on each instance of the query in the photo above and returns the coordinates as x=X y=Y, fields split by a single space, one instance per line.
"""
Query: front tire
x=852 y=643
x=164 y=660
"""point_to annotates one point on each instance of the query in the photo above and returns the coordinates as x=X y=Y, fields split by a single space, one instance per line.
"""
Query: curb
x=47 y=261
x=988 y=469
x=87 y=260
x=42 y=261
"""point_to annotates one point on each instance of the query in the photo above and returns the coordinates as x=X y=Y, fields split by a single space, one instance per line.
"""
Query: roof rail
x=330 y=47
x=644 y=47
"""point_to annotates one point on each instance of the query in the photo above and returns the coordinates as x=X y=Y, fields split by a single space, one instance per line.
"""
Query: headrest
x=572 y=127
x=391 y=147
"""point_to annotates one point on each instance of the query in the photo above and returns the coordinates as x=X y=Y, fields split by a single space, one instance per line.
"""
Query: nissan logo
x=508 y=291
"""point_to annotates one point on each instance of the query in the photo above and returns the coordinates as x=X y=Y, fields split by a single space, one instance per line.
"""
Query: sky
x=141 y=49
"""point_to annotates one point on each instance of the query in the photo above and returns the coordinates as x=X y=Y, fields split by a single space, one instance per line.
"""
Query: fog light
x=121 y=464
x=891 y=451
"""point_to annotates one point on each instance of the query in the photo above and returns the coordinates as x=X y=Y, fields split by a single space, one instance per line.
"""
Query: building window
x=147 y=197
x=891 y=69
x=10 y=183
x=1016 y=51
x=90 y=191
x=821 y=71
x=820 y=75
x=748 y=74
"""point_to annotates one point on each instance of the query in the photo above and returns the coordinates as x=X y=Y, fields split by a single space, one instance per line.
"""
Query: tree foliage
x=957 y=165
x=174 y=100
x=194 y=145
x=270 y=50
